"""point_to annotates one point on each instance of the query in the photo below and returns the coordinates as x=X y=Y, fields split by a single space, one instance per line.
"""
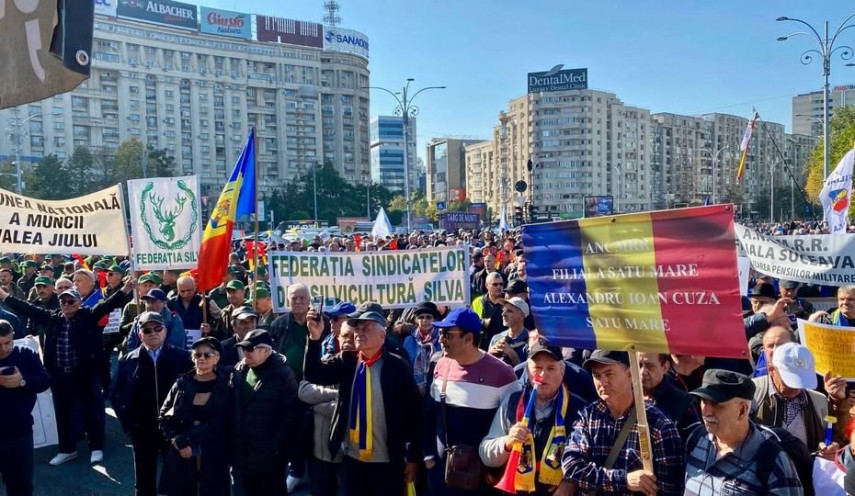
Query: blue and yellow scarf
x=360 y=426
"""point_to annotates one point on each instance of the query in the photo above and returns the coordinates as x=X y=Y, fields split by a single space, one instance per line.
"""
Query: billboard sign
x=597 y=206
x=225 y=23
x=453 y=221
x=106 y=7
x=165 y=12
x=279 y=30
x=345 y=40
x=567 y=79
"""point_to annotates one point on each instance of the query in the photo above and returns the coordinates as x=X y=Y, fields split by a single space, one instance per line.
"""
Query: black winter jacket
x=260 y=429
x=133 y=381
x=85 y=333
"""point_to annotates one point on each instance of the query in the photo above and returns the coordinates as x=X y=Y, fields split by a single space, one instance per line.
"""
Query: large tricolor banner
x=823 y=259
x=663 y=282
x=394 y=279
x=89 y=225
x=165 y=222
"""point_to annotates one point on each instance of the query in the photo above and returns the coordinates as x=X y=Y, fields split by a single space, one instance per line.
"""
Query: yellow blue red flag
x=238 y=198
x=662 y=282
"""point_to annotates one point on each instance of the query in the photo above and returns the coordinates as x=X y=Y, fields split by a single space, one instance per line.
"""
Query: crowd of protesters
x=357 y=399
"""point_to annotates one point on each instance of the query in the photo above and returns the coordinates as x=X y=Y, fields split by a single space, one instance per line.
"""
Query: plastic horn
x=829 y=429
x=507 y=483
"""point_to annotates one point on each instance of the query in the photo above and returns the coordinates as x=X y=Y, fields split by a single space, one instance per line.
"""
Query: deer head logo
x=167 y=219
x=162 y=229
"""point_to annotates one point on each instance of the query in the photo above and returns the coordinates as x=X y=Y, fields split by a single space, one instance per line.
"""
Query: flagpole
x=254 y=289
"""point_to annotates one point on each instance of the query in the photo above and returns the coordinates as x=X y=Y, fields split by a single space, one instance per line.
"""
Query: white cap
x=796 y=365
x=518 y=302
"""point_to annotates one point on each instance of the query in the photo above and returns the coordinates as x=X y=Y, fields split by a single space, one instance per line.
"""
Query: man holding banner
x=603 y=453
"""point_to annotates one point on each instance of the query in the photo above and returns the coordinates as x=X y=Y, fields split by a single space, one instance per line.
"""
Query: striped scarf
x=360 y=425
x=549 y=468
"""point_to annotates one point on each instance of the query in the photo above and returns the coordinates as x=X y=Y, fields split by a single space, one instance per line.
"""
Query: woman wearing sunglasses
x=193 y=420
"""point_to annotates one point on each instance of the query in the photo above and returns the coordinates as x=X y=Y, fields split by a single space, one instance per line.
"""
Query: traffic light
x=532 y=212
x=518 y=216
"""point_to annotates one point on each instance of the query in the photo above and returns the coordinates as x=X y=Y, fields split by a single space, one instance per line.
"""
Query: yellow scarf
x=549 y=468
x=360 y=425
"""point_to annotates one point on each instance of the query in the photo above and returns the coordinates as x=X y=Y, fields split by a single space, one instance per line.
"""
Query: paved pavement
x=77 y=478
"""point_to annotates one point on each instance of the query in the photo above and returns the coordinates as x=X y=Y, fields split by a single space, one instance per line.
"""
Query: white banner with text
x=88 y=225
x=823 y=259
x=394 y=279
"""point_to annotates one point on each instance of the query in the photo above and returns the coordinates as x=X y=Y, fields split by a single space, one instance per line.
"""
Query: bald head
x=186 y=287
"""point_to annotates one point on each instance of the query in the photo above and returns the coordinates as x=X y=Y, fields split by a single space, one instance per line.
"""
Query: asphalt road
x=77 y=478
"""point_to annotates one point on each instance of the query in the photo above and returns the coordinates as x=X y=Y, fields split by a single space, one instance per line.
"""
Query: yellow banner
x=832 y=347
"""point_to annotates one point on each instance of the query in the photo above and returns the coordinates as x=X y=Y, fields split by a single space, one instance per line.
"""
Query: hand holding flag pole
x=508 y=480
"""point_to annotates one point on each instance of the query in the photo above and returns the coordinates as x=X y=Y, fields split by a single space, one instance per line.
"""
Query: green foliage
x=842 y=135
x=129 y=161
x=336 y=197
x=79 y=169
x=47 y=180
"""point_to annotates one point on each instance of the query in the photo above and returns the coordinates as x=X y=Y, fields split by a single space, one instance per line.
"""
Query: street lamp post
x=714 y=198
x=18 y=123
x=826 y=50
x=407 y=109
x=368 y=196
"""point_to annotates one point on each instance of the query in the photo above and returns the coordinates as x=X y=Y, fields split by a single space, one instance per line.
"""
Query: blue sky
x=669 y=56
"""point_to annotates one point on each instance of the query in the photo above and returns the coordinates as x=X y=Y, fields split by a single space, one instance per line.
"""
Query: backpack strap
x=695 y=437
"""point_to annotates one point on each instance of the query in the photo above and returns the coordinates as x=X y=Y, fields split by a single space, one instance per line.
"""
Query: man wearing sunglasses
x=489 y=309
x=73 y=356
x=143 y=379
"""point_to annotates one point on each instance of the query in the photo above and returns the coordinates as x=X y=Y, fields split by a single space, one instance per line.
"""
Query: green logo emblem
x=163 y=234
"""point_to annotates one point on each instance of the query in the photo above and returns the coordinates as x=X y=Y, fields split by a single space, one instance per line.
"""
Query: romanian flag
x=743 y=147
x=663 y=282
x=237 y=199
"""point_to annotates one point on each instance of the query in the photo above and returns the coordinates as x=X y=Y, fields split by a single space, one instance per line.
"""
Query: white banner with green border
x=165 y=222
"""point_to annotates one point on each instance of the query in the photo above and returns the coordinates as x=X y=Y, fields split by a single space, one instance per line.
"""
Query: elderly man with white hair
x=732 y=455
x=377 y=417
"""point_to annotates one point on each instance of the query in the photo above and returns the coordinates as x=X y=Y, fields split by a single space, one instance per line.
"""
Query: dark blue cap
x=155 y=294
x=463 y=318
x=341 y=308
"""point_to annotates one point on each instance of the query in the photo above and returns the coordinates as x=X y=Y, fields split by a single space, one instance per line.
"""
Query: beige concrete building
x=197 y=95
x=581 y=143
x=807 y=108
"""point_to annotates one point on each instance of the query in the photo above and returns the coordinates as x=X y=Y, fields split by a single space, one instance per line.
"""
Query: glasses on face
x=151 y=329
x=499 y=284
x=204 y=354
x=67 y=303
x=444 y=333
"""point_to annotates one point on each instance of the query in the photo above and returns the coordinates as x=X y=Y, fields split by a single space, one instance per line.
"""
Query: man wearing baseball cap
x=47 y=299
x=511 y=345
x=28 y=279
x=338 y=315
x=133 y=308
x=155 y=301
x=473 y=384
x=265 y=421
x=731 y=455
x=236 y=295
x=546 y=435
x=72 y=357
x=603 y=456
x=377 y=395
x=785 y=397
x=143 y=379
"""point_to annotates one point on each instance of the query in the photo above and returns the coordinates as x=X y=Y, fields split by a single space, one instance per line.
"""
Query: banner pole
x=133 y=266
x=255 y=239
x=644 y=445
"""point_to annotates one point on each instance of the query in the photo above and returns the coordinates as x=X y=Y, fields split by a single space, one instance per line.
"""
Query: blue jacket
x=174 y=331
x=18 y=402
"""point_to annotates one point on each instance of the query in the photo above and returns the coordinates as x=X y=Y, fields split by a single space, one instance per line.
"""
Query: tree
x=129 y=161
x=7 y=175
x=79 y=170
x=48 y=179
x=842 y=133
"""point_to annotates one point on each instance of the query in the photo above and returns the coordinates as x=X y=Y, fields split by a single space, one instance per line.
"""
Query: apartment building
x=388 y=146
x=446 y=169
x=196 y=84
x=807 y=108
